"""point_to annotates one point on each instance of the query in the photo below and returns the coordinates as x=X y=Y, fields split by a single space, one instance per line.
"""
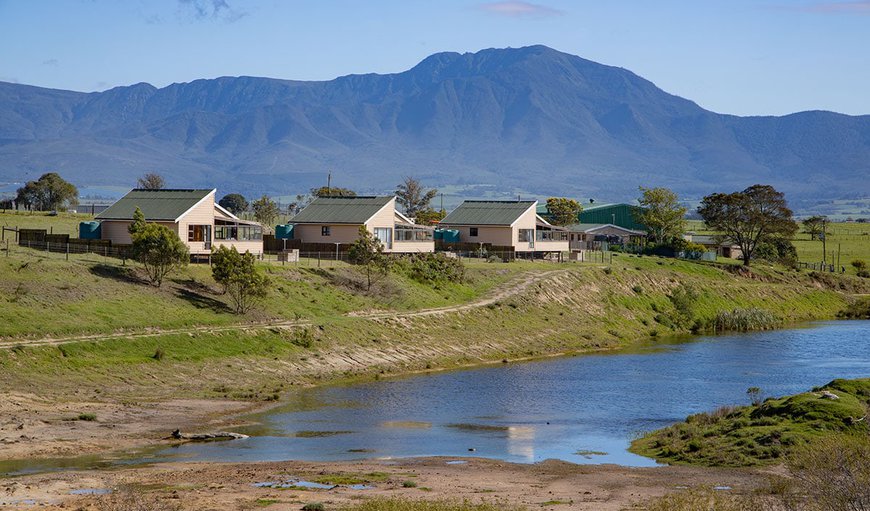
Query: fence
x=822 y=267
x=76 y=246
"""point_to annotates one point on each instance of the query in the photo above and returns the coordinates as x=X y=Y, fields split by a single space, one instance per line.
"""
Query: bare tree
x=413 y=197
x=151 y=181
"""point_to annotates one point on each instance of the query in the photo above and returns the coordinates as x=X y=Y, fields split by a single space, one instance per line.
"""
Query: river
x=583 y=409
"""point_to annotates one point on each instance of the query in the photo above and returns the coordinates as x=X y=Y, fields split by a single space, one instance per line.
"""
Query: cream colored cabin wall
x=253 y=246
x=310 y=233
x=409 y=247
x=116 y=230
x=385 y=218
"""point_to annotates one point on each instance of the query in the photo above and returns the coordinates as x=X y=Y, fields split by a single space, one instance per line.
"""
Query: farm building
x=622 y=215
x=600 y=236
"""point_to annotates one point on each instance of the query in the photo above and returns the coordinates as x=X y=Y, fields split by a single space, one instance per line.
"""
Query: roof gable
x=474 y=212
x=156 y=205
x=341 y=210
x=590 y=228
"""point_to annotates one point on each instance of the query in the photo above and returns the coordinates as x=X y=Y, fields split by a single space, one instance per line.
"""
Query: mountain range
x=495 y=123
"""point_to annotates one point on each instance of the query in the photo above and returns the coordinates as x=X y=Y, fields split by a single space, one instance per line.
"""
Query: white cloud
x=517 y=9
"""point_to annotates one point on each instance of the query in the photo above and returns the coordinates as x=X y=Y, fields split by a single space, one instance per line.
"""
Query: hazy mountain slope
x=530 y=119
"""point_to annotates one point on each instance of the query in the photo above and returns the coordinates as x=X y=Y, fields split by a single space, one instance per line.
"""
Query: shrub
x=409 y=484
x=159 y=354
x=494 y=259
x=313 y=506
x=303 y=338
x=158 y=248
x=833 y=473
x=436 y=269
x=90 y=417
x=744 y=320
x=368 y=252
x=239 y=276
x=683 y=298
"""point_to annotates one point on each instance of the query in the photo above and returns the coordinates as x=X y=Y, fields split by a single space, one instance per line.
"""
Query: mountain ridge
x=531 y=120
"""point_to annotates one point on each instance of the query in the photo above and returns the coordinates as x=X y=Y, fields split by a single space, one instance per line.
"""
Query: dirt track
x=511 y=288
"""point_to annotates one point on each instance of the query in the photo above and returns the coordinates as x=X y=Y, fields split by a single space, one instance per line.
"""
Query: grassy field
x=62 y=223
x=849 y=240
x=763 y=433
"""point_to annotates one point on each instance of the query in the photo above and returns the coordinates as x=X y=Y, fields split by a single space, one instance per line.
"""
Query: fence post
x=67 y=251
x=48 y=246
x=318 y=259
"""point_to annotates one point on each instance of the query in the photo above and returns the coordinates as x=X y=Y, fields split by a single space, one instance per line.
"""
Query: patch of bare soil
x=203 y=486
x=35 y=427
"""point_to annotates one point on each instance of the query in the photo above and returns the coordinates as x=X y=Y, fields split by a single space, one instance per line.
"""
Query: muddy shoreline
x=547 y=485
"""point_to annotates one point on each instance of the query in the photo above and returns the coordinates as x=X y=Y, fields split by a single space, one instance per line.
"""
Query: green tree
x=368 y=252
x=151 y=181
x=238 y=274
x=235 y=203
x=265 y=210
x=413 y=196
x=749 y=217
x=564 y=211
x=138 y=224
x=50 y=192
x=662 y=213
x=159 y=250
x=429 y=216
x=332 y=191
x=814 y=225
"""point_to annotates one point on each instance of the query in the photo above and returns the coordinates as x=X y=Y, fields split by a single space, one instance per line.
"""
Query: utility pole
x=824 y=237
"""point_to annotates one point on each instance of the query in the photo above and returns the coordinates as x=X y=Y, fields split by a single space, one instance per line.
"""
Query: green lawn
x=62 y=223
x=849 y=240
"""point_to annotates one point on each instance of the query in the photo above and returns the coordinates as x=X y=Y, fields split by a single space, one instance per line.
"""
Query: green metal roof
x=589 y=227
x=341 y=210
x=480 y=212
x=156 y=205
x=622 y=215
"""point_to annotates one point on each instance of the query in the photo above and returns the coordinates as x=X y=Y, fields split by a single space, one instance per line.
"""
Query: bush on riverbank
x=746 y=320
x=831 y=474
x=764 y=433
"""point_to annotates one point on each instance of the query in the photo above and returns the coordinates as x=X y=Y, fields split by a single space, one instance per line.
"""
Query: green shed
x=622 y=215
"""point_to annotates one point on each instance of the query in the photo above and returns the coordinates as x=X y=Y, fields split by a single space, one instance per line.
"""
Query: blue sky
x=737 y=56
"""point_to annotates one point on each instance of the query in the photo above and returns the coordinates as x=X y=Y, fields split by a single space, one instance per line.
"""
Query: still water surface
x=583 y=409
x=557 y=408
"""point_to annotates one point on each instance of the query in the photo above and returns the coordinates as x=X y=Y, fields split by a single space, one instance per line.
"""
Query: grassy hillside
x=763 y=433
x=316 y=325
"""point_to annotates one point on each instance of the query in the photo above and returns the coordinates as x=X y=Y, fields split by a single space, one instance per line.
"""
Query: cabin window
x=385 y=236
x=526 y=235
x=472 y=231
x=199 y=233
x=324 y=230
x=238 y=232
